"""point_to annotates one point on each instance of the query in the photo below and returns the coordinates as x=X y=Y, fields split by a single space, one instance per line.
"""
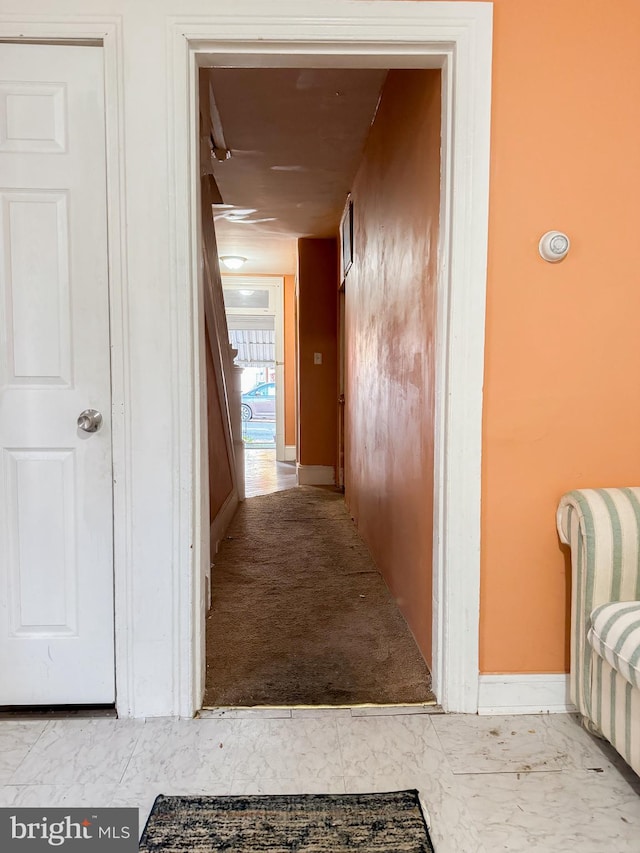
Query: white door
x=56 y=560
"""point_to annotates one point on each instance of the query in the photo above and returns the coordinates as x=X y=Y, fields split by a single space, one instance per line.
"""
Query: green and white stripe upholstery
x=602 y=526
x=615 y=636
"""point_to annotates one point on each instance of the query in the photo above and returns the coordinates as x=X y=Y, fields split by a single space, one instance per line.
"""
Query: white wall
x=149 y=281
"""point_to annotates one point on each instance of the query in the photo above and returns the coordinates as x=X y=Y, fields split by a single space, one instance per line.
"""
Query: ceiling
x=296 y=137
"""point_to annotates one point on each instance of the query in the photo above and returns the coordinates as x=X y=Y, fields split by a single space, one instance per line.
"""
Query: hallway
x=301 y=616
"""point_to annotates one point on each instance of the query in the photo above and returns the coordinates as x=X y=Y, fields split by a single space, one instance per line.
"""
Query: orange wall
x=562 y=404
x=317 y=332
x=390 y=326
x=289 y=360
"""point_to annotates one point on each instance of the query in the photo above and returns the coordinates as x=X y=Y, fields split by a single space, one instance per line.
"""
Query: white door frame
x=457 y=38
x=276 y=282
x=107 y=31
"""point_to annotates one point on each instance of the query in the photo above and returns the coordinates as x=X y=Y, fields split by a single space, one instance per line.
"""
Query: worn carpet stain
x=301 y=616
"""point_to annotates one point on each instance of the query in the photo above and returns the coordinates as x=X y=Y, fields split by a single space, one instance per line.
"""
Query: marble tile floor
x=521 y=783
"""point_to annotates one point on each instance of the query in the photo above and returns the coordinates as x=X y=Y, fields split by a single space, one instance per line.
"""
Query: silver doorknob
x=89 y=420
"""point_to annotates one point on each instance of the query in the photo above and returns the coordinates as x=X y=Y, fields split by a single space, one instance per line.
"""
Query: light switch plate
x=317 y=358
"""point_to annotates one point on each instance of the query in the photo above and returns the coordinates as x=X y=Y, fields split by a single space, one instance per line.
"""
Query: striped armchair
x=602 y=526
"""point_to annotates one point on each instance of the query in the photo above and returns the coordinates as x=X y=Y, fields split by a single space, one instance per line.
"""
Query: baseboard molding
x=222 y=520
x=316 y=475
x=290 y=453
x=524 y=694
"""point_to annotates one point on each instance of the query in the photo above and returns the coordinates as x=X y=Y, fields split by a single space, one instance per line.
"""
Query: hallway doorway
x=254 y=308
x=273 y=173
x=463 y=52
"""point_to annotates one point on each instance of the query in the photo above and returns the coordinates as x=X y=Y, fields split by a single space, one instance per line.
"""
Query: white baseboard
x=524 y=694
x=316 y=475
x=222 y=520
x=290 y=453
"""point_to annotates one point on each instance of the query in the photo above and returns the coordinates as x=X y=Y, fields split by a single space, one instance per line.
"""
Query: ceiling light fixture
x=233 y=262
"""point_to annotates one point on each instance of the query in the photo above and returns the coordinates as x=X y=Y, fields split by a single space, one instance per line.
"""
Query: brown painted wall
x=390 y=326
x=220 y=482
x=218 y=364
x=317 y=332
x=289 y=360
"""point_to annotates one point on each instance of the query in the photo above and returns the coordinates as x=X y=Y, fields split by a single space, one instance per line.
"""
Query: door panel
x=41 y=543
x=37 y=287
x=56 y=552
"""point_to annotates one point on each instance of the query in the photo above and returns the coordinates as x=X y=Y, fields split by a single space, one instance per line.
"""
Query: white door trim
x=453 y=36
x=108 y=31
x=280 y=408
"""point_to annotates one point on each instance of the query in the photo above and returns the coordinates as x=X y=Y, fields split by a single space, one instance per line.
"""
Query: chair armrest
x=602 y=526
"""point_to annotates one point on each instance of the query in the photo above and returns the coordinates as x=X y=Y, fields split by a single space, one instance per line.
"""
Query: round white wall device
x=553 y=246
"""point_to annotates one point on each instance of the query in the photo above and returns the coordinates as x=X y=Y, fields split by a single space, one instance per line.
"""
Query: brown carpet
x=300 y=614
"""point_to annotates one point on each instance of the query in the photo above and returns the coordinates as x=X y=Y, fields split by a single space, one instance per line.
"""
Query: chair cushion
x=615 y=636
